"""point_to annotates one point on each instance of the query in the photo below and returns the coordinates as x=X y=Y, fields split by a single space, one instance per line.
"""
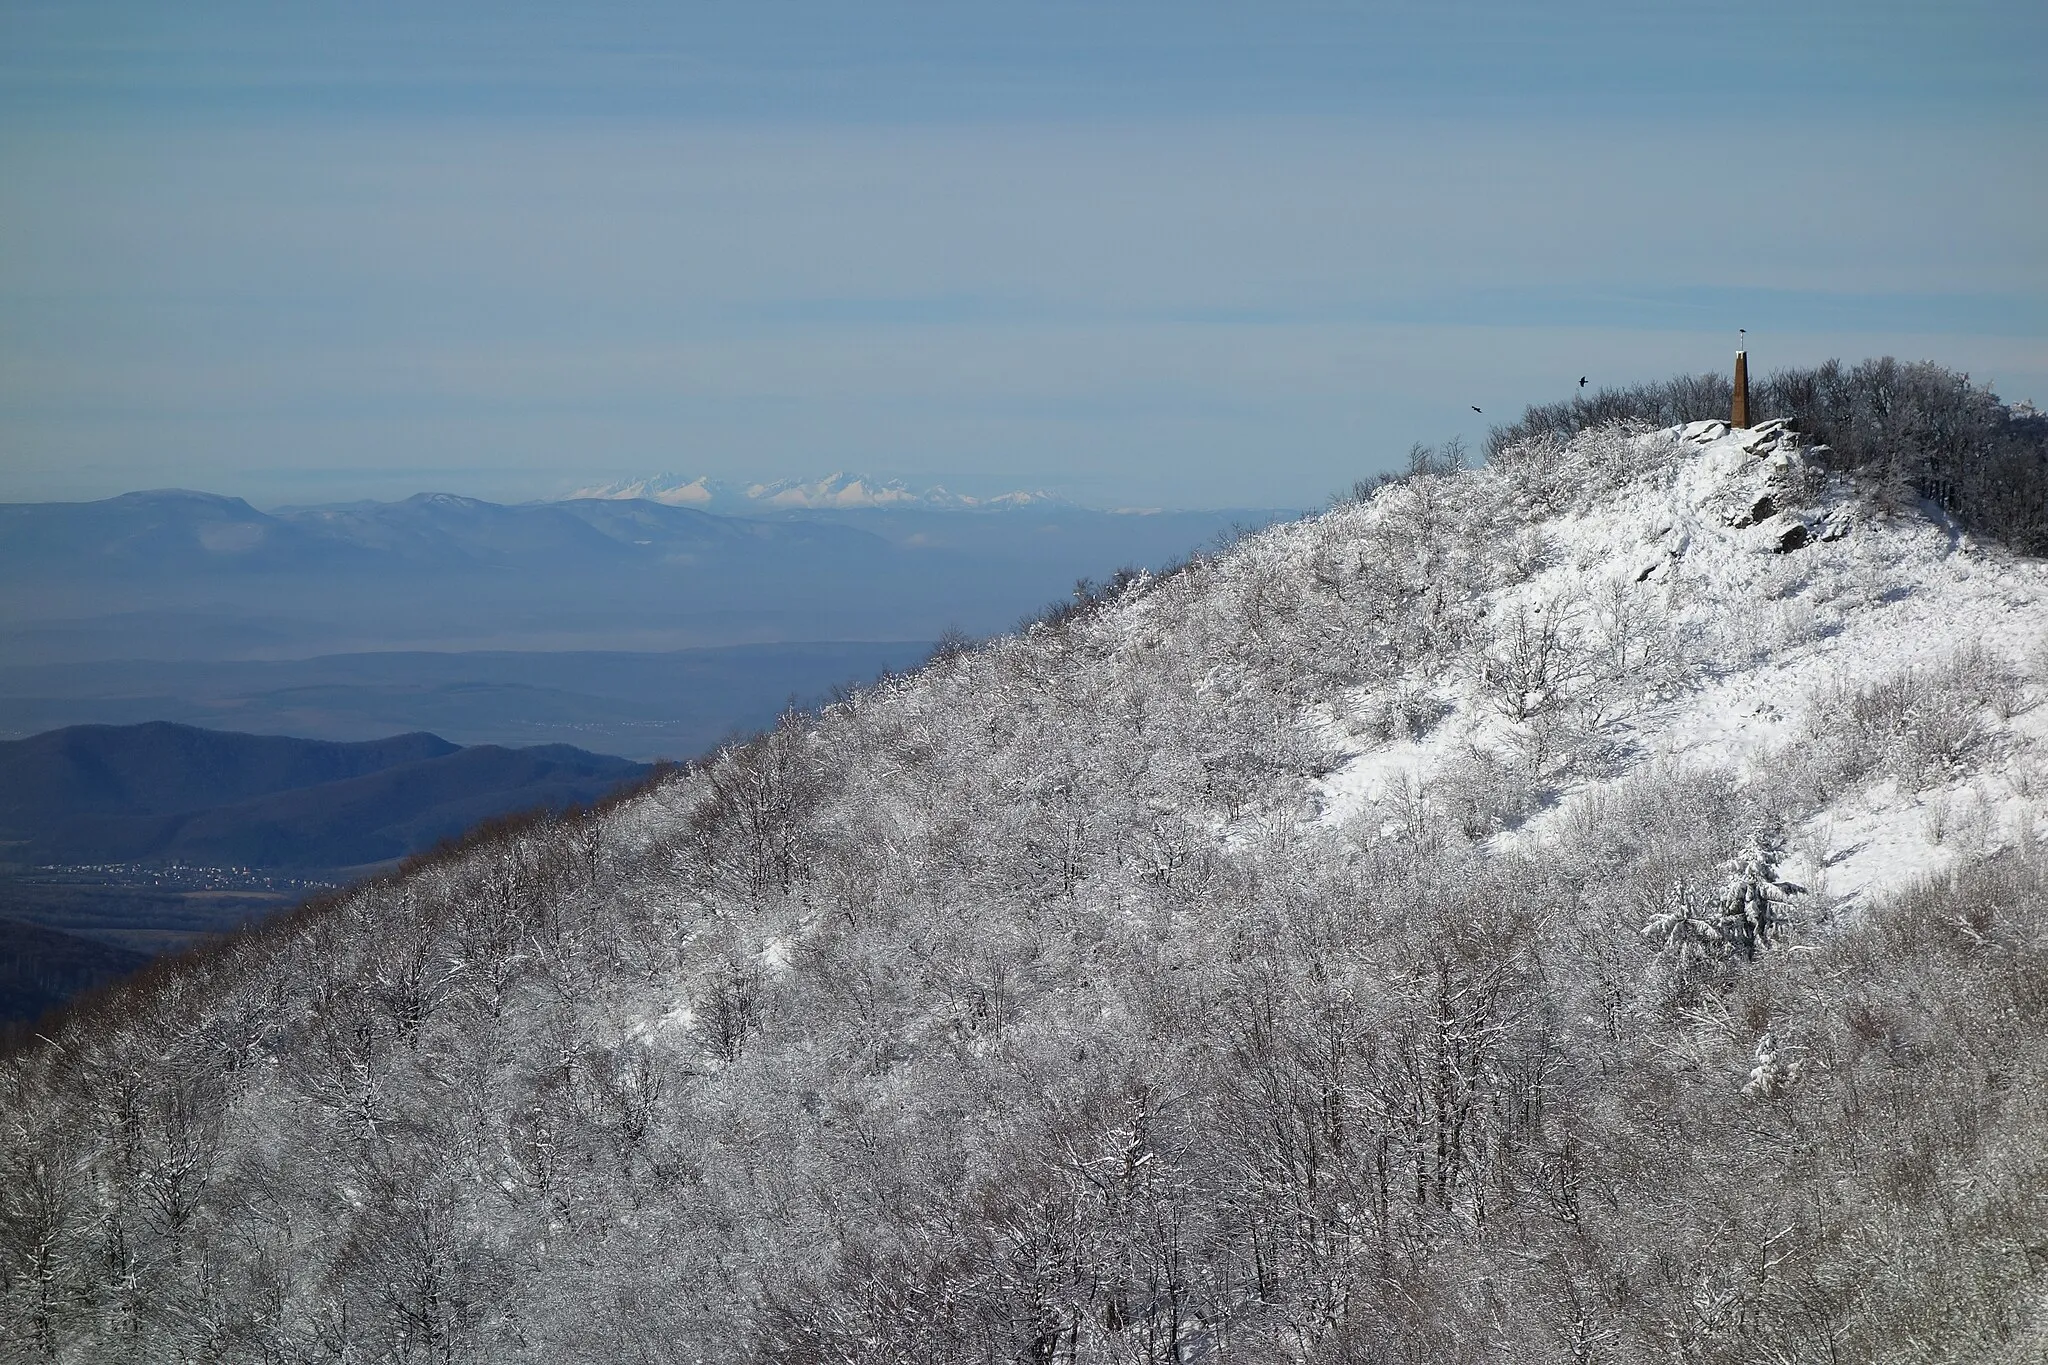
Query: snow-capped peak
x=836 y=491
x=847 y=490
x=672 y=489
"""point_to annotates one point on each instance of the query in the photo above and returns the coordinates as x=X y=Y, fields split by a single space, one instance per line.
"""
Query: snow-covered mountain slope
x=1587 y=908
x=1729 y=609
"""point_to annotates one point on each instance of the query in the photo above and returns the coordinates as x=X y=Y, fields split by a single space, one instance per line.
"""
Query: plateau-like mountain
x=1589 y=907
x=174 y=530
x=102 y=771
x=1019 y=528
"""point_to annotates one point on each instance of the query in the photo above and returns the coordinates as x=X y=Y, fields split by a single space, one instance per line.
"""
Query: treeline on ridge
x=1897 y=428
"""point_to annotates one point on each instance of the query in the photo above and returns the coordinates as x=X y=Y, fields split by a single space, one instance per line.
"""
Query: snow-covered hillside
x=1730 y=610
x=1587 y=908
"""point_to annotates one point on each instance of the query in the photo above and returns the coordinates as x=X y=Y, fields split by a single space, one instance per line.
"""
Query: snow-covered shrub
x=2034 y=665
x=729 y=1006
x=1686 y=928
x=1538 y=470
x=1616 y=455
x=1795 y=623
x=1916 y=727
x=1935 y=817
x=1926 y=726
x=1999 y=681
x=1550 y=474
x=1773 y=1070
x=1424 y=461
x=2022 y=837
x=1971 y=822
x=1530 y=660
x=1483 y=792
x=1632 y=651
x=1408 y=711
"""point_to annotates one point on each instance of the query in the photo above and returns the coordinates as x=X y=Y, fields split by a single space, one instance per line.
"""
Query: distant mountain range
x=181 y=531
x=673 y=704
x=175 y=574
x=834 y=492
x=164 y=793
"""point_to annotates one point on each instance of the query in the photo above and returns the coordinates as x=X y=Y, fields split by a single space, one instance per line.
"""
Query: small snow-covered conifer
x=1754 y=890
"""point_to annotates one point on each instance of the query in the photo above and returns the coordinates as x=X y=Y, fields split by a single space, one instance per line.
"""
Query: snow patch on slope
x=1768 y=597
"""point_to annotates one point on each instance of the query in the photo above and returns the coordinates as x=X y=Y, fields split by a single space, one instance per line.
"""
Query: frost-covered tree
x=1753 y=892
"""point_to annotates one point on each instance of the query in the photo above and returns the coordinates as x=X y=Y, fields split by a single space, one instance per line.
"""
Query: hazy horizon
x=735 y=497
x=1183 y=255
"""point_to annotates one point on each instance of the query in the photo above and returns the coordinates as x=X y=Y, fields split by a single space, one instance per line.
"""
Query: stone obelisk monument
x=1740 y=417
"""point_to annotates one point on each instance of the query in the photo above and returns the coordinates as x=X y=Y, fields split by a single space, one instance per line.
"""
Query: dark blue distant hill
x=159 y=793
x=41 y=968
x=49 y=780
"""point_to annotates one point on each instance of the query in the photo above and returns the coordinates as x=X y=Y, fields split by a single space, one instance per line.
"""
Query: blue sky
x=1143 y=254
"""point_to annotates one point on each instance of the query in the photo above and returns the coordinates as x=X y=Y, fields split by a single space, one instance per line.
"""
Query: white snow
x=1772 y=640
x=835 y=491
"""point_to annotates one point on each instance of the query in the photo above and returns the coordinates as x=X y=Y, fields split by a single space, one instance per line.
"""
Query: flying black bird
x=1477 y=410
x=1582 y=381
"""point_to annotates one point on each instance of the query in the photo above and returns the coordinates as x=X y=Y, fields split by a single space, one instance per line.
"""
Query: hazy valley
x=120 y=842
x=181 y=576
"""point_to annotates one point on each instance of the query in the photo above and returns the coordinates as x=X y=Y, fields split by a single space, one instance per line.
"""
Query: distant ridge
x=186 y=576
x=158 y=768
x=160 y=792
x=41 y=968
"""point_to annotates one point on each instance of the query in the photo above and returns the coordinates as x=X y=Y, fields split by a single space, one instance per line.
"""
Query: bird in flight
x=1582 y=381
x=1477 y=410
